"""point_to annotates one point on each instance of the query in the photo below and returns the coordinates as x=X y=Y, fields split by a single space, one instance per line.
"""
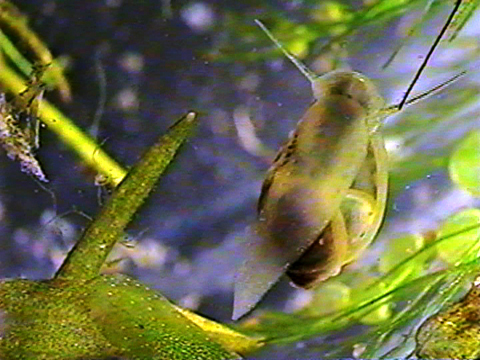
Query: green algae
x=453 y=333
x=107 y=316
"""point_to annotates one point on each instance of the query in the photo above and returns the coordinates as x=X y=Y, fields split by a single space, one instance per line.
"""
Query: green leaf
x=464 y=244
x=45 y=321
x=465 y=12
x=87 y=257
x=464 y=165
x=398 y=250
x=107 y=316
x=145 y=325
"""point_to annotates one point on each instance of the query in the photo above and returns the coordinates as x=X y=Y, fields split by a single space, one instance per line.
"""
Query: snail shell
x=301 y=229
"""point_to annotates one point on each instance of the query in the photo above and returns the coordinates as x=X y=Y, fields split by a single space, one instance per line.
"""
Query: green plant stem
x=85 y=147
x=11 y=17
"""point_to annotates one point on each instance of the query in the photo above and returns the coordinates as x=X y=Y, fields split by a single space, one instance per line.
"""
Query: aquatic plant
x=80 y=313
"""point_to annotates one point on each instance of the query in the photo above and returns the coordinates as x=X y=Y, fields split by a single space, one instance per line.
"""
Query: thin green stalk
x=10 y=16
x=81 y=143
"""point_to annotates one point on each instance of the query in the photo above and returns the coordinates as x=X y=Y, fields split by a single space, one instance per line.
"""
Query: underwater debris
x=20 y=142
x=16 y=141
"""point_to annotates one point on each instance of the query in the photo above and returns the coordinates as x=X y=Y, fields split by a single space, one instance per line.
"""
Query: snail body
x=324 y=197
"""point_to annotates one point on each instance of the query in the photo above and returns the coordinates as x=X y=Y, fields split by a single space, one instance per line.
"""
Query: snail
x=324 y=197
